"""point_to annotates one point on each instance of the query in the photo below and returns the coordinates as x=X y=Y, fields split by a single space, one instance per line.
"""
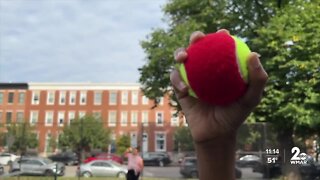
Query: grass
x=74 y=178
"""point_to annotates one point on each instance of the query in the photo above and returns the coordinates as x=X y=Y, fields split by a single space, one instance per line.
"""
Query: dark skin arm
x=214 y=128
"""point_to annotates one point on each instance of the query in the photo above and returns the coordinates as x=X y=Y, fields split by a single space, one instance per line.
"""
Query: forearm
x=216 y=158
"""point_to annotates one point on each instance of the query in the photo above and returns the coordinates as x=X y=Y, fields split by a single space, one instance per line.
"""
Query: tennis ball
x=216 y=68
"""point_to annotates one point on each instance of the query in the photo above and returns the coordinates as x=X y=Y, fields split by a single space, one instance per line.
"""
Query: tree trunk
x=286 y=144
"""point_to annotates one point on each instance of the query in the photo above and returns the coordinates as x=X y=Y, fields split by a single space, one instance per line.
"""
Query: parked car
x=1 y=169
x=102 y=168
x=156 y=159
x=248 y=161
x=188 y=154
x=37 y=166
x=7 y=158
x=188 y=168
x=105 y=156
x=309 y=171
x=67 y=158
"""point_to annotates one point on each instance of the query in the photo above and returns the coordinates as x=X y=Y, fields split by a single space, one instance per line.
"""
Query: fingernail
x=256 y=63
x=182 y=86
x=259 y=55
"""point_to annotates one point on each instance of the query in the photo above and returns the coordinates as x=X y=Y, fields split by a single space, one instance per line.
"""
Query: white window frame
x=95 y=100
x=124 y=97
x=72 y=96
x=174 y=120
x=110 y=117
x=134 y=97
x=82 y=114
x=145 y=118
x=71 y=116
x=113 y=96
x=47 y=116
x=34 y=115
x=156 y=139
x=24 y=97
x=62 y=96
x=50 y=96
x=134 y=115
x=135 y=142
x=145 y=100
x=34 y=93
x=22 y=120
x=61 y=115
x=83 y=95
x=161 y=101
x=162 y=121
x=124 y=118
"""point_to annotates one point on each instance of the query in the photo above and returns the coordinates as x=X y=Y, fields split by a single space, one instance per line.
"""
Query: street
x=165 y=172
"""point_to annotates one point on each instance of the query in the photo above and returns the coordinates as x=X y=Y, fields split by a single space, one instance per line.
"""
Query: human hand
x=208 y=122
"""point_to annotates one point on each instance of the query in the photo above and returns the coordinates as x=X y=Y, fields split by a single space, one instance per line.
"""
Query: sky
x=75 y=40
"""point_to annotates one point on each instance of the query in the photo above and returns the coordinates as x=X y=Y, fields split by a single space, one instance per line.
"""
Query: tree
x=123 y=143
x=290 y=46
x=183 y=139
x=20 y=137
x=85 y=133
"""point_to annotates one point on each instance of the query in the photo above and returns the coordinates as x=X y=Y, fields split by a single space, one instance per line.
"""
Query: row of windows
x=97 y=100
x=11 y=97
x=112 y=117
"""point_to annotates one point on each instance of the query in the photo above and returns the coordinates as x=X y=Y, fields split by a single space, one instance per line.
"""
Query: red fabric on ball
x=213 y=71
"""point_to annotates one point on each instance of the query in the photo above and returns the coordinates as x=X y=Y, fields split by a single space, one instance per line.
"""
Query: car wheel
x=194 y=174
x=161 y=164
x=48 y=173
x=86 y=174
x=121 y=175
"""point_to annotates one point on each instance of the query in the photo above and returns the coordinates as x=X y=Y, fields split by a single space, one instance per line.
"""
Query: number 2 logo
x=295 y=151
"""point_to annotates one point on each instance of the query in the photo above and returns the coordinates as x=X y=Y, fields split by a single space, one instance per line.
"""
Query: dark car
x=309 y=171
x=248 y=161
x=156 y=159
x=67 y=158
x=188 y=168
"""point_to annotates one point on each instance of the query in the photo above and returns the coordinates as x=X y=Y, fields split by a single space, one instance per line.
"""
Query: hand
x=208 y=122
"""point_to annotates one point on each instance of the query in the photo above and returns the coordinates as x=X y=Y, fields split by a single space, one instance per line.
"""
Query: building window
x=145 y=100
x=124 y=118
x=83 y=98
x=174 y=119
x=97 y=115
x=71 y=117
x=49 y=118
x=10 y=97
x=134 y=97
x=48 y=139
x=8 y=117
x=134 y=139
x=1 y=97
x=72 y=98
x=62 y=98
x=1 y=117
x=161 y=101
x=61 y=118
x=160 y=140
x=112 y=98
x=34 y=117
x=124 y=97
x=159 y=118
x=20 y=117
x=21 y=97
x=97 y=98
x=112 y=116
x=35 y=98
x=50 y=97
x=82 y=114
x=134 y=118
x=145 y=118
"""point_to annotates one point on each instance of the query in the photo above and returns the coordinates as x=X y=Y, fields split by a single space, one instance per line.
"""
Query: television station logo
x=298 y=158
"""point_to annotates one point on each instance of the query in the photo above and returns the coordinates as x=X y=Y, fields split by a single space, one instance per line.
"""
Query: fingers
x=195 y=36
x=257 y=81
x=180 y=55
x=181 y=89
x=224 y=31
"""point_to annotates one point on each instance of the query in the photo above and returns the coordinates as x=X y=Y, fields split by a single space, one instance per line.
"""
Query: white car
x=7 y=158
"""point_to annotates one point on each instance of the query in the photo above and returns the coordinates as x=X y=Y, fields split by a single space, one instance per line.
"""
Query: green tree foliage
x=123 y=142
x=20 y=137
x=86 y=133
x=241 y=17
x=183 y=139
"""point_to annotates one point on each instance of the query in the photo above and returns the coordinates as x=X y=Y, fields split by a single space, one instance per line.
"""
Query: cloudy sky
x=75 y=40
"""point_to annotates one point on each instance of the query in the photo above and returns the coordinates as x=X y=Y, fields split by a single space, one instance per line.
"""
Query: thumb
x=257 y=81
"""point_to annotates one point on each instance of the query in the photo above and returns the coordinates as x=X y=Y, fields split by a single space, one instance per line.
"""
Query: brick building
x=122 y=108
